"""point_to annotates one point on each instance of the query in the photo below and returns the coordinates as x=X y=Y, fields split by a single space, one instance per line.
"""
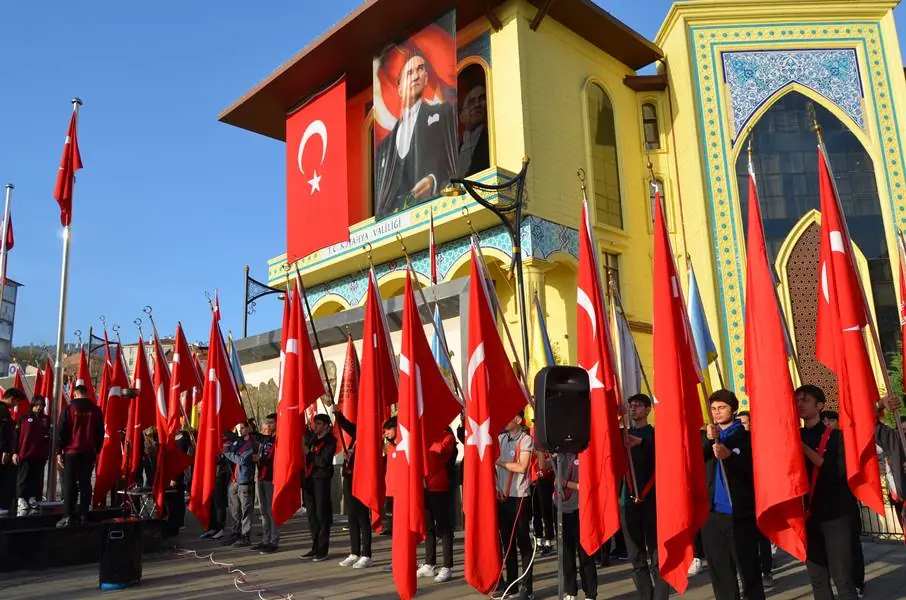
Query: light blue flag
x=235 y=365
x=704 y=344
x=545 y=338
x=437 y=349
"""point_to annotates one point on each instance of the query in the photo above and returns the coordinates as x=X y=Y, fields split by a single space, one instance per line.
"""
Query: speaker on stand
x=562 y=424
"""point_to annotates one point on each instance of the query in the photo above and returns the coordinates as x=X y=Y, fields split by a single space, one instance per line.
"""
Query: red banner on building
x=317 y=211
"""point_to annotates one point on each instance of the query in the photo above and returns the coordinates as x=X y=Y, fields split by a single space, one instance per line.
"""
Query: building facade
x=563 y=87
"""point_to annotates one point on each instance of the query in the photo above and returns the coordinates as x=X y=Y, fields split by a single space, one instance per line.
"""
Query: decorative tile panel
x=718 y=131
x=753 y=76
x=480 y=47
x=540 y=239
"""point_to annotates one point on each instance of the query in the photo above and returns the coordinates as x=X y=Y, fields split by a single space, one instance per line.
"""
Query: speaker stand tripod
x=561 y=567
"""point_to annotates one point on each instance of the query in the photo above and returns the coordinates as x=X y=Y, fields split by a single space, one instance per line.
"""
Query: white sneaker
x=217 y=535
x=695 y=567
x=33 y=504
x=425 y=571
x=443 y=575
x=363 y=563
x=568 y=597
x=349 y=560
x=21 y=508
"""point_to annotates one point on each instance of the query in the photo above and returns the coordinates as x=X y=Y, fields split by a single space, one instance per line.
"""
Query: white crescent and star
x=837 y=245
x=584 y=302
x=480 y=436
x=403 y=445
x=319 y=129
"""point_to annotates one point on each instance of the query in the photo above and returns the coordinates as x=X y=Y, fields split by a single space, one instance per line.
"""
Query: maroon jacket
x=81 y=428
x=34 y=437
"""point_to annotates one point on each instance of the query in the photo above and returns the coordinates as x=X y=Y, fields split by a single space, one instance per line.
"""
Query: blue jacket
x=239 y=452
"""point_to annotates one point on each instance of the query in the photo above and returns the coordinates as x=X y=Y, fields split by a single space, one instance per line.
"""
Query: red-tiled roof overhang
x=349 y=46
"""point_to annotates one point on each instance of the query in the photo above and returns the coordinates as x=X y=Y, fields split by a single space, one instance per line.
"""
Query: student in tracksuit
x=319 y=447
x=240 y=452
x=638 y=506
x=829 y=504
x=567 y=467
x=730 y=535
x=264 y=459
x=31 y=454
x=439 y=508
x=80 y=434
x=514 y=503
x=359 y=514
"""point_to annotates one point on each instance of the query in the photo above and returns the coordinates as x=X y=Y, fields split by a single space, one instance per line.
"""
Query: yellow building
x=563 y=88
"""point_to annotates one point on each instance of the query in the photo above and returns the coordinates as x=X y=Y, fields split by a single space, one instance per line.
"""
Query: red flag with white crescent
x=84 y=376
x=70 y=162
x=115 y=418
x=317 y=212
x=840 y=344
x=603 y=464
x=495 y=396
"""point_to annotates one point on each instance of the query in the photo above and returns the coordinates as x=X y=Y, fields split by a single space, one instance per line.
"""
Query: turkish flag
x=679 y=467
x=116 y=415
x=419 y=377
x=317 y=214
x=23 y=406
x=10 y=239
x=69 y=164
x=603 y=464
x=170 y=389
x=495 y=396
x=300 y=386
x=777 y=458
x=349 y=392
x=142 y=414
x=221 y=410
x=840 y=345
x=377 y=392
x=84 y=376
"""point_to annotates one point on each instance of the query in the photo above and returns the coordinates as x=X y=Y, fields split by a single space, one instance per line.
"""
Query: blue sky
x=171 y=202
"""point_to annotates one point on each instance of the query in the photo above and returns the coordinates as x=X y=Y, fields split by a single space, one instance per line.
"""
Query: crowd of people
x=738 y=556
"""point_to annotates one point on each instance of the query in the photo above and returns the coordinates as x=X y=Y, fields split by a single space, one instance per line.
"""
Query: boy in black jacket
x=829 y=504
x=730 y=535
x=319 y=447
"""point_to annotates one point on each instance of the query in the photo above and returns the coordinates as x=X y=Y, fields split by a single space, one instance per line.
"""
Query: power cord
x=239 y=576
x=509 y=548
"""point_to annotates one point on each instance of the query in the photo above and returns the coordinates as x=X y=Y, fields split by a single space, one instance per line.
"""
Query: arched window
x=605 y=175
x=650 y=127
x=473 y=143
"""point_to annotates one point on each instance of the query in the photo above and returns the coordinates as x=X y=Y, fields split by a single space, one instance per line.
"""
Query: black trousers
x=387 y=519
x=640 y=532
x=359 y=521
x=543 y=521
x=514 y=516
x=30 y=479
x=8 y=487
x=175 y=503
x=858 y=556
x=316 y=497
x=220 y=501
x=764 y=554
x=732 y=544
x=439 y=524
x=829 y=556
x=588 y=571
x=77 y=469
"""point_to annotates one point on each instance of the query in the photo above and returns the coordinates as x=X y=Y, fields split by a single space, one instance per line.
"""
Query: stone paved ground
x=169 y=577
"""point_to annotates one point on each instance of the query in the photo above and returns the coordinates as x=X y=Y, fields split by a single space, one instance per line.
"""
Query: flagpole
x=61 y=328
x=3 y=244
x=875 y=338
x=245 y=314
x=314 y=331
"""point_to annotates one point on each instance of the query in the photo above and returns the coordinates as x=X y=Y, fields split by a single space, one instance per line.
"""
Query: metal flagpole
x=61 y=328
x=245 y=313
x=3 y=249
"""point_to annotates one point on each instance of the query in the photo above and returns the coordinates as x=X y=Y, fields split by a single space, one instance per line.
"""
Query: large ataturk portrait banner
x=415 y=145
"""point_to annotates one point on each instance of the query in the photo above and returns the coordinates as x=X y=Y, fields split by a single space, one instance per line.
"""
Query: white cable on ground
x=239 y=576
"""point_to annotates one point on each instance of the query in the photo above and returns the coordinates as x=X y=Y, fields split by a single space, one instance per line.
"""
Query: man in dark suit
x=417 y=159
x=474 y=152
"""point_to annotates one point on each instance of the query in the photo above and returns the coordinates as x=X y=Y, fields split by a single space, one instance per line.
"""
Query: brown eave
x=349 y=45
x=646 y=83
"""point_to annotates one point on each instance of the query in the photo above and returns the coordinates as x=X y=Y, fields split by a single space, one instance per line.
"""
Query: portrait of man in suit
x=474 y=148
x=417 y=158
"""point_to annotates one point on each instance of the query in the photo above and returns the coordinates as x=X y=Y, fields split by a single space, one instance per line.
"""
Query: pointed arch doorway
x=785 y=161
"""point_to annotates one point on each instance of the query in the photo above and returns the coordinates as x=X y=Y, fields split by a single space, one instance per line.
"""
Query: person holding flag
x=319 y=447
x=264 y=461
x=731 y=490
x=80 y=435
x=567 y=465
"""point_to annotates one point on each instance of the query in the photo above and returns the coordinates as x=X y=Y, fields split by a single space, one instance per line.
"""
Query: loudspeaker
x=562 y=409
x=121 y=558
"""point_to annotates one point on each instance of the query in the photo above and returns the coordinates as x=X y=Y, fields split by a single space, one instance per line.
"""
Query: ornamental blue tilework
x=539 y=238
x=480 y=46
x=754 y=76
